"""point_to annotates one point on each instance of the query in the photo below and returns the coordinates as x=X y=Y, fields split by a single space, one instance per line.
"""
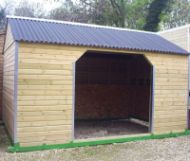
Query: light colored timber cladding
x=44 y=133
x=172 y=123
x=1 y=75
x=44 y=82
x=182 y=99
x=8 y=84
x=2 y=39
x=45 y=94
x=43 y=108
x=45 y=113
x=8 y=38
x=43 y=118
x=44 y=102
x=57 y=92
x=45 y=72
x=168 y=113
x=44 y=66
x=44 y=61
x=165 y=98
x=62 y=97
x=59 y=56
x=44 y=87
x=41 y=77
x=45 y=91
x=62 y=128
x=169 y=108
x=168 y=129
x=47 y=137
x=169 y=119
x=179 y=36
x=45 y=123
x=30 y=143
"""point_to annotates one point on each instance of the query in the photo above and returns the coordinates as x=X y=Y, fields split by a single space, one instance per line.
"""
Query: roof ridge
x=78 y=24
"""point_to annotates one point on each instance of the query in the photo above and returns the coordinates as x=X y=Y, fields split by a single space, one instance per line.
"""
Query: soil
x=93 y=129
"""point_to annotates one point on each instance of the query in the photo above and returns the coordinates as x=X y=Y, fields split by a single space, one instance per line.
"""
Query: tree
x=28 y=9
x=137 y=12
x=119 y=13
x=69 y=11
x=154 y=14
x=178 y=14
x=94 y=11
x=2 y=18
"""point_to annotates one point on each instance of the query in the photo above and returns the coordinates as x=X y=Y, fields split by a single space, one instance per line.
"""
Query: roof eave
x=113 y=48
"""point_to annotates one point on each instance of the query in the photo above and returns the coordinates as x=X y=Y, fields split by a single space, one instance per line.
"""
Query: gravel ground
x=173 y=149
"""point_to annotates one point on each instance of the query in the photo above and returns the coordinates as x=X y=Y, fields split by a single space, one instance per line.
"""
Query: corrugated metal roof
x=77 y=34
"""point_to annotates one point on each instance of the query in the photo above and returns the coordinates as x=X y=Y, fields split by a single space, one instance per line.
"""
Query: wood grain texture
x=170 y=103
x=181 y=37
x=8 y=83
x=45 y=92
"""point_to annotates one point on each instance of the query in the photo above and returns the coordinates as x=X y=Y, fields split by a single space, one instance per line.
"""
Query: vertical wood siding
x=8 y=84
x=45 y=92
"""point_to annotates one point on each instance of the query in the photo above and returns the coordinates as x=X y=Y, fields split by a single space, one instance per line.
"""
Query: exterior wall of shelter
x=9 y=110
x=45 y=92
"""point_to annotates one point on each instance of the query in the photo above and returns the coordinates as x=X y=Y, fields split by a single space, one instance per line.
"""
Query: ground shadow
x=4 y=140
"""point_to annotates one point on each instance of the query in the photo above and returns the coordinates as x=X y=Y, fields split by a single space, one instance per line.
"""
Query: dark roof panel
x=60 y=32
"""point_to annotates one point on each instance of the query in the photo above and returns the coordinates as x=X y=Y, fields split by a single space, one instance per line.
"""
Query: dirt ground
x=173 y=149
x=92 y=129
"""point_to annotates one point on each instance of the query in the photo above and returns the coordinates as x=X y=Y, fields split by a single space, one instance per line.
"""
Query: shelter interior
x=112 y=95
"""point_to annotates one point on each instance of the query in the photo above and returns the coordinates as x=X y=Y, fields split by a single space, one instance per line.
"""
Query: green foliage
x=28 y=9
x=2 y=18
x=137 y=11
x=120 y=13
x=136 y=14
x=154 y=14
x=178 y=14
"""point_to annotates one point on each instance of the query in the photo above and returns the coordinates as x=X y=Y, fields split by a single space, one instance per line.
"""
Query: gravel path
x=172 y=149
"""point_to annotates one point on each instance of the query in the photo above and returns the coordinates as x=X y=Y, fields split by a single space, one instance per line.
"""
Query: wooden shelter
x=59 y=77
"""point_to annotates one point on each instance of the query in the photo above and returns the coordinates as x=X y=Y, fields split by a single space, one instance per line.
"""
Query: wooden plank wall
x=8 y=84
x=180 y=36
x=170 y=92
x=45 y=92
x=2 y=38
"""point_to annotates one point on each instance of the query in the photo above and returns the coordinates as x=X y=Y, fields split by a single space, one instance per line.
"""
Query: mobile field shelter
x=66 y=82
